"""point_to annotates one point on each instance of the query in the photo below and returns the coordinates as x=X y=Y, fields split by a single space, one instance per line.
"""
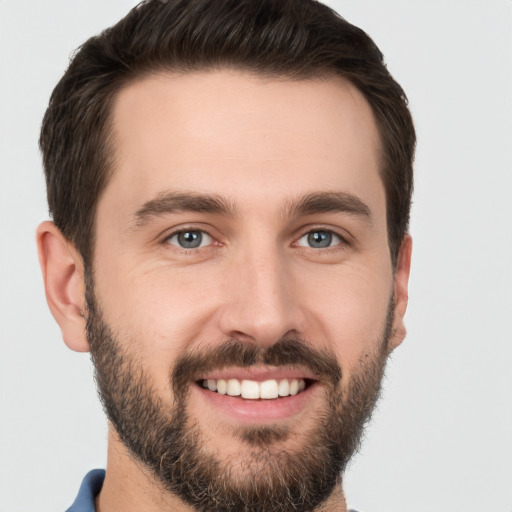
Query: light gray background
x=442 y=436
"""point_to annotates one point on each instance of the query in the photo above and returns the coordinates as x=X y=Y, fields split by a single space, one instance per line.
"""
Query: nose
x=263 y=304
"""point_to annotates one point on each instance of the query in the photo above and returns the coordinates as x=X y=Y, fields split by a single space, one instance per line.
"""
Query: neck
x=130 y=487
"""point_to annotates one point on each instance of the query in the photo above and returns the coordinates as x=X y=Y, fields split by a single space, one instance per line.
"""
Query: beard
x=172 y=445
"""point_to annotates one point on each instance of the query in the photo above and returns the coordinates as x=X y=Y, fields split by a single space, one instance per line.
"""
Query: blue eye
x=190 y=239
x=319 y=239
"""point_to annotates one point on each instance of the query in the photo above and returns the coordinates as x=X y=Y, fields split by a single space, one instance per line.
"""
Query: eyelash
x=331 y=234
x=341 y=240
x=202 y=232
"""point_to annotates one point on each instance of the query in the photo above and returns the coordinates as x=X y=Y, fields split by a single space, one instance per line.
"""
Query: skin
x=263 y=145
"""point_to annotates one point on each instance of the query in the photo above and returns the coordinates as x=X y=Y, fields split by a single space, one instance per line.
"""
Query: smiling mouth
x=254 y=390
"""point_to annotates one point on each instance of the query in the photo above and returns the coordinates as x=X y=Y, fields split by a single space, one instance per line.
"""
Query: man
x=230 y=185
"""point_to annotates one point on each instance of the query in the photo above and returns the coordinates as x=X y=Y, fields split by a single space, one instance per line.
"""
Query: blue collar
x=90 y=488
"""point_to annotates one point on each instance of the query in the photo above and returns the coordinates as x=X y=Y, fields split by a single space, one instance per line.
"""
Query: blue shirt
x=90 y=488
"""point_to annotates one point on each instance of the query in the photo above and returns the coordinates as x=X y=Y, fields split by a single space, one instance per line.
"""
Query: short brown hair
x=285 y=38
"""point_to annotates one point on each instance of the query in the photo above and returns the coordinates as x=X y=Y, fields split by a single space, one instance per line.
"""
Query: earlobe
x=401 y=293
x=63 y=276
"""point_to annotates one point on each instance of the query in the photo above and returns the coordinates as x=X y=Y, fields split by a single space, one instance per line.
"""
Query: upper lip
x=259 y=373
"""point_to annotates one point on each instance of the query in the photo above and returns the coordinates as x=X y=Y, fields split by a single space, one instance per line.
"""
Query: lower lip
x=257 y=411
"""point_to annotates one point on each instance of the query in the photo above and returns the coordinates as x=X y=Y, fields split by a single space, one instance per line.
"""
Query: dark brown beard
x=171 y=444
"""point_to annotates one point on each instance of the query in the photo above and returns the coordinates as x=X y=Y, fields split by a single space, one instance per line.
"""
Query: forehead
x=231 y=132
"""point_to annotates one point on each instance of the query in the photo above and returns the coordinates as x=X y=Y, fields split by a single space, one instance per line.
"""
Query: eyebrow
x=329 y=202
x=172 y=202
x=318 y=202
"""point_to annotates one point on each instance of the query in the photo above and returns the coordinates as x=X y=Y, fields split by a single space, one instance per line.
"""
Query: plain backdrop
x=441 y=438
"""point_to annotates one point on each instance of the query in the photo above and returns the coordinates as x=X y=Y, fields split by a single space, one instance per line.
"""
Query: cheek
x=348 y=308
x=157 y=312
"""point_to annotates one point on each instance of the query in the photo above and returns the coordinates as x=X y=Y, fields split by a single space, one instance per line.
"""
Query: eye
x=319 y=239
x=190 y=239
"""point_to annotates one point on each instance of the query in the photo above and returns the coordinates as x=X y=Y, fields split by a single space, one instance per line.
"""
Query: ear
x=63 y=275
x=400 y=292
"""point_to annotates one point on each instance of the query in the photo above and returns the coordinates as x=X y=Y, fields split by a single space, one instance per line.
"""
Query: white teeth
x=253 y=390
x=222 y=386
x=269 y=389
x=250 y=389
x=284 y=388
x=233 y=387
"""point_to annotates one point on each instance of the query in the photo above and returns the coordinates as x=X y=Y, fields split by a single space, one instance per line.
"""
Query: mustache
x=288 y=352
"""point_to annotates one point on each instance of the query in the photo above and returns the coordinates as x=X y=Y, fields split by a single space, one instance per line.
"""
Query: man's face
x=241 y=245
